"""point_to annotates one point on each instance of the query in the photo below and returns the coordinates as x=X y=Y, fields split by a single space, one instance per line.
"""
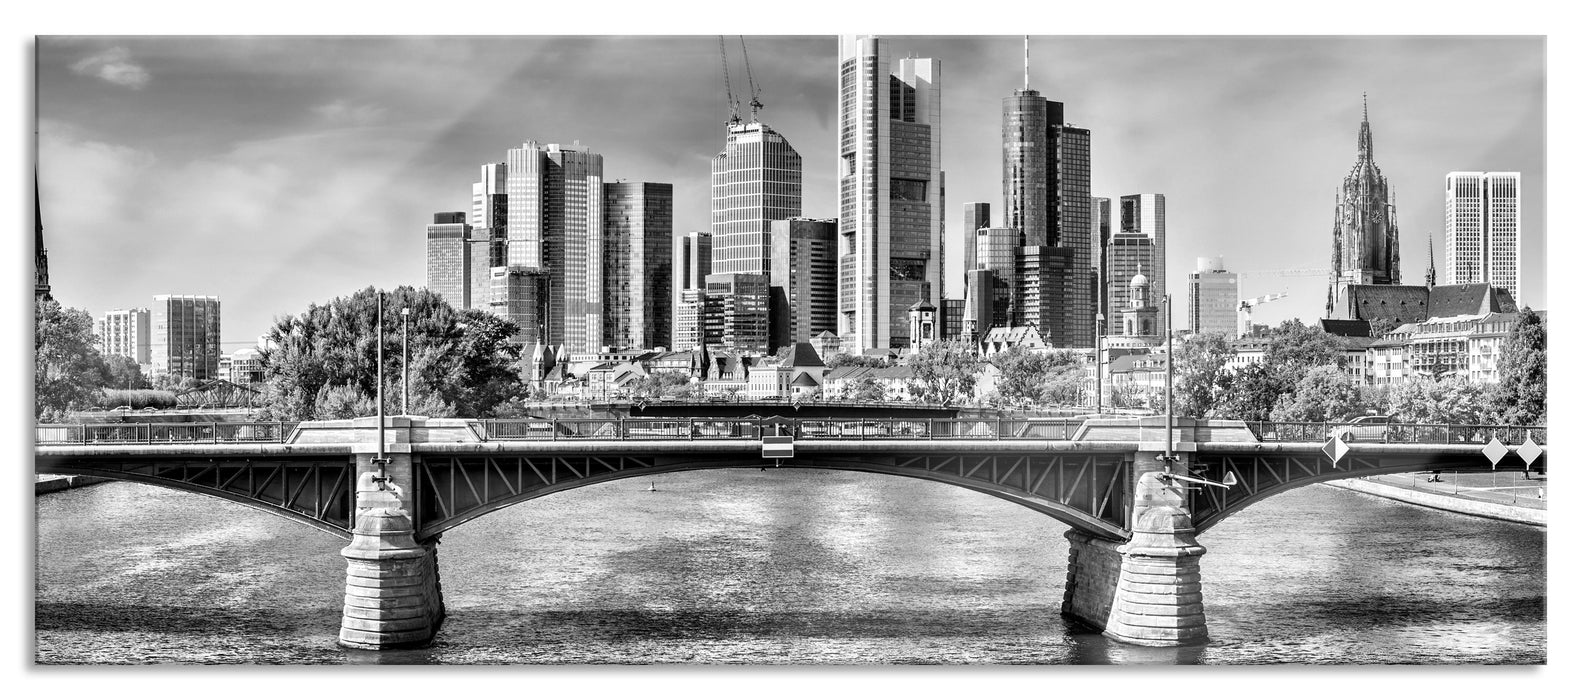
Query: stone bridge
x=1134 y=514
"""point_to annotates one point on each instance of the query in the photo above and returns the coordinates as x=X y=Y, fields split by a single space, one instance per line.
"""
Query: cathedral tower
x=1366 y=242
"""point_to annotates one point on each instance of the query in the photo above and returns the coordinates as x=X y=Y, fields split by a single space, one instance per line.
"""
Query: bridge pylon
x=393 y=598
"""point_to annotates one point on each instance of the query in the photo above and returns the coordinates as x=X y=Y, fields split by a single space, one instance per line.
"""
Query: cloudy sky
x=281 y=171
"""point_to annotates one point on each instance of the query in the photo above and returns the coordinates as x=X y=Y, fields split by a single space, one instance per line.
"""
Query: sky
x=275 y=172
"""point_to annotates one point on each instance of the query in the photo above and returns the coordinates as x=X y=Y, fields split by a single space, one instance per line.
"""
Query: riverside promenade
x=1498 y=495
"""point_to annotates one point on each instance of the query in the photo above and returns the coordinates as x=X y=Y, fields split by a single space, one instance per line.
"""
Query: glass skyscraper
x=1483 y=229
x=555 y=227
x=756 y=179
x=637 y=240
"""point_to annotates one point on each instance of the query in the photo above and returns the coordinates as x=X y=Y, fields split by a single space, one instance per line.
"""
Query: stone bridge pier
x=1146 y=590
x=393 y=596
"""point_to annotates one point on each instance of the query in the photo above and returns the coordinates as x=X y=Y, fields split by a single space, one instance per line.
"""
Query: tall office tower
x=976 y=217
x=690 y=258
x=184 y=338
x=554 y=224
x=891 y=213
x=1483 y=229
x=487 y=240
x=1140 y=240
x=997 y=252
x=1046 y=179
x=1212 y=298
x=1366 y=241
x=1100 y=214
x=520 y=295
x=450 y=261
x=125 y=332
x=803 y=262
x=950 y=317
x=740 y=308
x=978 y=313
x=691 y=326
x=755 y=180
x=637 y=240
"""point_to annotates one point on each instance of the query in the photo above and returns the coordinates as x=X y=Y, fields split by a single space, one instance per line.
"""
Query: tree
x=463 y=360
x=844 y=360
x=1325 y=393
x=661 y=384
x=1521 y=396
x=1201 y=376
x=866 y=389
x=1377 y=327
x=122 y=372
x=1251 y=393
x=1448 y=400
x=944 y=372
x=67 y=369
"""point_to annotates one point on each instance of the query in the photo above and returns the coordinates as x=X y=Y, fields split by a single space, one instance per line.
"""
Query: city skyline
x=282 y=177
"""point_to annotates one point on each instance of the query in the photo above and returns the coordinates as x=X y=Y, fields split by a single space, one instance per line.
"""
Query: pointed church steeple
x=40 y=255
x=1428 y=277
x=1365 y=135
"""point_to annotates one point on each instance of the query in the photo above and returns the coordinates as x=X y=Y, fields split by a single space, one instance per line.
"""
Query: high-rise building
x=1212 y=298
x=1046 y=178
x=738 y=302
x=637 y=241
x=979 y=312
x=976 y=216
x=691 y=329
x=802 y=271
x=1137 y=247
x=1100 y=214
x=450 y=261
x=487 y=240
x=891 y=191
x=520 y=295
x=125 y=332
x=1483 y=229
x=1366 y=240
x=554 y=226
x=756 y=179
x=997 y=253
x=690 y=258
x=184 y=338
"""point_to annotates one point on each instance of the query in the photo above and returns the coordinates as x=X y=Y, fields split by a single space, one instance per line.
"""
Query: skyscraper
x=450 y=261
x=1212 y=298
x=690 y=260
x=976 y=216
x=487 y=240
x=1483 y=229
x=1366 y=241
x=1046 y=180
x=1137 y=247
x=1100 y=214
x=737 y=303
x=802 y=270
x=637 y=241
x=125 y=332
x=184 y=336
x=891 y=191
x=756 y=179
x=554 y=227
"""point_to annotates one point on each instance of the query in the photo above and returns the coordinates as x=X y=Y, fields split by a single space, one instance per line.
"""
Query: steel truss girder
x=1089 y=491
x=1261 y=476
x=318 y=492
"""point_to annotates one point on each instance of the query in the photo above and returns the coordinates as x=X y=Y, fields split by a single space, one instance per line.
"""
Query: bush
x=137 y=398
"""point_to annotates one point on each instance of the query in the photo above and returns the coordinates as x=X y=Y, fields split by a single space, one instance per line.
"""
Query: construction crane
x=1297 y=272
x=730 y=97
x=753 y=103
x=1246 y=309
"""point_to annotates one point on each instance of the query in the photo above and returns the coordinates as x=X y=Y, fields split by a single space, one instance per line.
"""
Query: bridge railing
x=1405 y=433
x=161 y=433
x=754 y=429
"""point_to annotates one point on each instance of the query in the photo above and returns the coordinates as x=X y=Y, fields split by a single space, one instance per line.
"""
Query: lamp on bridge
x=406 y=405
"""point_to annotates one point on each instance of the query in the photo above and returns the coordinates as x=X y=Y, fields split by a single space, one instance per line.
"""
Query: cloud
x=343 y=112
x=114 y=65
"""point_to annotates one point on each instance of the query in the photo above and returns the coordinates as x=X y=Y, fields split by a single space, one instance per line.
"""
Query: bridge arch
x=1091 y=493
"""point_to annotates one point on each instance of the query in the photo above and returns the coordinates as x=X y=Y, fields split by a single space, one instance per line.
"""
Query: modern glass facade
x=125 y=332
x=975 y=216
x=891 y=219
x=802 y=280
x=742 y=303
x=450 y=261
x=1483 y=229
x=554 y=225
x=1212 y=298
x=637 y=248
x=756 y=179
x=1136 y=247
x=185 y=336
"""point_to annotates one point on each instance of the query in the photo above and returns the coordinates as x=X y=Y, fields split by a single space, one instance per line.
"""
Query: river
x=784 y=566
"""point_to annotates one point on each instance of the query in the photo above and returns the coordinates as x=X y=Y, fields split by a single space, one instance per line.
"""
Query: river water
x=786 y=566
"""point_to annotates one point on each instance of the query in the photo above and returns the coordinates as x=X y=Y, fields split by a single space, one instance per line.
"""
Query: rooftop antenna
x=1026 y=60
x=752 y=86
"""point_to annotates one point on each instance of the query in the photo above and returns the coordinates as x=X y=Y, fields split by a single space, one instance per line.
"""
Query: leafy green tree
x=944 y=372
x=1251 y=393
x=67 y=368
x=457 y=359
x=1521 y=397
x=661 y=384
x=1201 y=375
x=122 y=372
x=844 y=360
x=1295 y=347
x=1448 y=400
x=1325 y=393
x=1028 y=377
x=865 y=389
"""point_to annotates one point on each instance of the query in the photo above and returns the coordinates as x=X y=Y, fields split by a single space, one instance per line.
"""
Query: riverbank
x=1505 y=496
x=50 y=483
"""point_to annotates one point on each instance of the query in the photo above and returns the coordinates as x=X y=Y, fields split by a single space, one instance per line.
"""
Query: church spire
x=1428 y=277
x=1365 y=135
x=40 y=255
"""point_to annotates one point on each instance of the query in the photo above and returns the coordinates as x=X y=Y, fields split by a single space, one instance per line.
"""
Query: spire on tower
x=1428 y=278
x=1026 y=61
x=1365 y=134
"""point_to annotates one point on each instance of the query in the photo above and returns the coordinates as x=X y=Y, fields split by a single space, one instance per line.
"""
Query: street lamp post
x=1098 y=363
x=1170 y=376
x=406 y=404
x=379 y=392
